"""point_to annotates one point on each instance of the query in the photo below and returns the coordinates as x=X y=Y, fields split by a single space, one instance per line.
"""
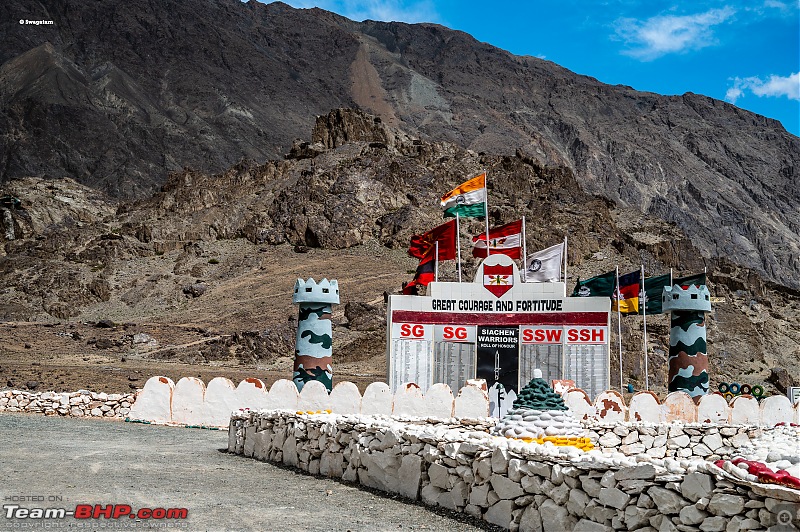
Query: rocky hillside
x=206 y=266
x=118 y=94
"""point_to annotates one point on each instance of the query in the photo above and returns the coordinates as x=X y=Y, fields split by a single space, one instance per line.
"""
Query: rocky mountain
x=203 y=270
x=118 y=94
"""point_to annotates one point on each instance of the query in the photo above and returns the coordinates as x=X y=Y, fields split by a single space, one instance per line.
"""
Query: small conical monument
x=688 y=358
x=313 y=360
x=540 y=415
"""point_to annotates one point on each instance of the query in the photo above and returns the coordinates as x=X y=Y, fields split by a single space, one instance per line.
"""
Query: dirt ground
x=91 y=461
x=49 y=357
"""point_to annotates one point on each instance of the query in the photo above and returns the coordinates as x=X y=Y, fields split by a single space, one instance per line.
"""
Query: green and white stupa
x=539 y=414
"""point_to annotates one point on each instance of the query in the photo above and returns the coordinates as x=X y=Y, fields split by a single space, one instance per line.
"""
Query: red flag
x=425 y=274
x=423 y=246
x=506 y=239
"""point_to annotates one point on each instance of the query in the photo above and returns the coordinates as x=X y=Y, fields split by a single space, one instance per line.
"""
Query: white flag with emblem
x=545 y=266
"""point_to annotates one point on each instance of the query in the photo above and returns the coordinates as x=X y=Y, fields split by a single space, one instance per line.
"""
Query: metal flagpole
x=436 y=264
x=565 y=265
x=670 y=277
x=486 y=207
x=619 y=329
x=524 y=254
x=643 y=302
x=458 y=244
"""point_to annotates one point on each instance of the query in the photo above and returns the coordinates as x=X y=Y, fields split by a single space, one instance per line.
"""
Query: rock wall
x=82 y=403
x=510 y=484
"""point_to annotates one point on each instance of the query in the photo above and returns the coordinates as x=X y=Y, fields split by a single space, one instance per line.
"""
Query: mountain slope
x=123 y=94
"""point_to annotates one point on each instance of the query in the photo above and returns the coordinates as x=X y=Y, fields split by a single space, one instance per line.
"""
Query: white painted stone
x=284 y=395
x=154 y=402
x=776 y=409
x=438 y=401
x=252 y=393
x=409 y=401
x=712 y=441
x=471 y=402
x=579 y=404
x=609 y=439
x=645 y=407
x=219 y=402
x=345 y=399
x=745 y=411
x=713 y=408
x=377 y=400
x=610 y=407
x=680 y=407
x=187 y=401
x=313 y=397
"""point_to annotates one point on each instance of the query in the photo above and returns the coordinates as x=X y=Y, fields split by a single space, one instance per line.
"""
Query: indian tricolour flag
x=467 y=199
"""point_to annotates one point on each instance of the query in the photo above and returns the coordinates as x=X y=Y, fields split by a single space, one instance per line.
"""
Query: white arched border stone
x=776 y=409
x=345 y=399
x=377 y=400
x=154 y=402
x=187 y=401
x=610 y=406
x=438 y=401
x=745 y=410
x=409 y=401
x=219 y=402
x=713 y=408
x=252 y=394
x=313 y=397
x=679 y=406
x=645 y=407
x=284 y=395
x=579 y=404
x=472 y=401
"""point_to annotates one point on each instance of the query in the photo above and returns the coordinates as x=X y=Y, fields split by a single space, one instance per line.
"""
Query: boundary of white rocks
x=457 y=465
x=82 y=403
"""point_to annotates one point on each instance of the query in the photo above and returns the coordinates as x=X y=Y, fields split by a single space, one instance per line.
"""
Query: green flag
x=600 y=286
x=653 y=287
x=696 y=279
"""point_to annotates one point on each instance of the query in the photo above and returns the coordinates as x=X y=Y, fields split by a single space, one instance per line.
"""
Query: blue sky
x=744 y=52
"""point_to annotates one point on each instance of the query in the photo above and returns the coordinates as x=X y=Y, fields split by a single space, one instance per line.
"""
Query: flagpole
x=524 y=254
x=486 y=207
x=436 y=264
x=458 y=244
x=644 y=344
x=565 y=265
x=619 y=329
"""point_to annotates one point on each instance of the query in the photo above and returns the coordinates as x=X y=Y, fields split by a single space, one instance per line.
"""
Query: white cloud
x=664 y=34
x=776 y=86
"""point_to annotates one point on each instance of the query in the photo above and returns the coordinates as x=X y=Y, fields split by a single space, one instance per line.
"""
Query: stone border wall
x=82 y=403
x=511 y=484
x=191 y=402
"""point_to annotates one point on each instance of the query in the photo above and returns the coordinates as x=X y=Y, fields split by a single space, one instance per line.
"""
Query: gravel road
x=48 y=462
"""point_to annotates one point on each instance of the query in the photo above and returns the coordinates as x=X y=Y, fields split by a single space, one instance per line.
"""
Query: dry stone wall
x=459 y=466
x=82 y=403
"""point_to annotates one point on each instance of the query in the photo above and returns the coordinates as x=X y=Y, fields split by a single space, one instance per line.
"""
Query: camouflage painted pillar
x=688 y=360
x=312 y=354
